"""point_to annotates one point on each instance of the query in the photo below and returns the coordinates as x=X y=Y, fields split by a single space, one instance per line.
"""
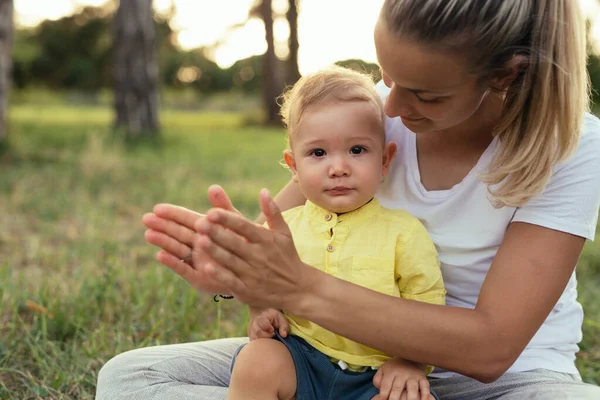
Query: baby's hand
x=263 y=324
x=399 y=379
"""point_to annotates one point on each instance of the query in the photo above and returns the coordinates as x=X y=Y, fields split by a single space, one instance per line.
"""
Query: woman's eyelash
x=436 y=100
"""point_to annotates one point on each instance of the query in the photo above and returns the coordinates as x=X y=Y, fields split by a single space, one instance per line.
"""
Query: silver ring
x=187 y=258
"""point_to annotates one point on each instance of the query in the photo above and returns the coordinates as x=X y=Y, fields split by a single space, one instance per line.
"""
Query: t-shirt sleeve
x=571 y=200
x=418 y=271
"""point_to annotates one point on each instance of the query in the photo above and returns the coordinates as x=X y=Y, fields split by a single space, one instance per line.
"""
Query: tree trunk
x=293 y=74
x=270 y=75
x=6 y=38
x=136 y=71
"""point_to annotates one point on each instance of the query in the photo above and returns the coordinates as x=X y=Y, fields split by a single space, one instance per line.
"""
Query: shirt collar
x=328 y=218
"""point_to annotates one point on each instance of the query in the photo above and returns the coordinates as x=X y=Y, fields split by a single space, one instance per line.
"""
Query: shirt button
x=330 y=248
x=327 y=217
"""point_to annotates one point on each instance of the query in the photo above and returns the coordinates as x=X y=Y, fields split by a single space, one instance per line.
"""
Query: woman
x=486 y=102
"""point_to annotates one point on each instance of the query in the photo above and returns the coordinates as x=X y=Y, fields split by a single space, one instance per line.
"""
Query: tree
x=293 y=73
x=80 y=43
x=136 y=71
x=593 y=66
x=6 y=37
x=271 y=89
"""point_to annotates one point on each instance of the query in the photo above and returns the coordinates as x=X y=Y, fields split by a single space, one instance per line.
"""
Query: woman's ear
x=502 y=80
x=389 y=151
x=288 y=156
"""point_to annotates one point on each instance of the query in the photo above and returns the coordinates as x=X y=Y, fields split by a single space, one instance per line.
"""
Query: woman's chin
x=420 y=126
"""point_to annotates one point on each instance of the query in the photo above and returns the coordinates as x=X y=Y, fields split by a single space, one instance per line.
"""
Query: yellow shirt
x=388 y=251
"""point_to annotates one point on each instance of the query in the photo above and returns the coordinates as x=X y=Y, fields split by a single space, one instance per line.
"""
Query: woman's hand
x=171 y=228
x=260 y=266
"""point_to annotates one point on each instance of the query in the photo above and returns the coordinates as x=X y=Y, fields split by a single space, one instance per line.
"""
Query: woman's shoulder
x=590 y=134
x=587 y=152
x=571 y=199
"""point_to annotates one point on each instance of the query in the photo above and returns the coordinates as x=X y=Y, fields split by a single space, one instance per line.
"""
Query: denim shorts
x=320 y=379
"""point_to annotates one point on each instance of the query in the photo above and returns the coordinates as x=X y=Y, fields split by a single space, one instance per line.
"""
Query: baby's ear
x=389 y=151
x=288 y=156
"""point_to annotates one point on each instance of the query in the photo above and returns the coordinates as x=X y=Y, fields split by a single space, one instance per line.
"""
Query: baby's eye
x=357 y=149
x=318 y=152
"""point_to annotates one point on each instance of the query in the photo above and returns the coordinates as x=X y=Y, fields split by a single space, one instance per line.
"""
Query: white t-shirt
x=467 y=231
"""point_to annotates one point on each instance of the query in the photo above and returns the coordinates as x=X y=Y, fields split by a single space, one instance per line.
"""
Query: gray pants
x=200 y=371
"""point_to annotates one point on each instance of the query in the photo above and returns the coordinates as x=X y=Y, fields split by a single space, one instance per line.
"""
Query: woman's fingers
x=169 y=244
x=220 y=254
x=219 y=198
x=227 y=239
x=260 y=266
x=197 y=277
x=272 y=213
x=225 y=278
x=170 y=228
x=179 y=267
x=180 y=215
x=234 y=222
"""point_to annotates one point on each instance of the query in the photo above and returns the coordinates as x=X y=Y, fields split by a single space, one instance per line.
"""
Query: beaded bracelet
x=223 y=296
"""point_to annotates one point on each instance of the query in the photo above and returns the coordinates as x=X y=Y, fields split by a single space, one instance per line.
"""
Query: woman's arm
x=524 y=283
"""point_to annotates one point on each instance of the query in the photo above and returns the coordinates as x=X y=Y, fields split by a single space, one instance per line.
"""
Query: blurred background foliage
x=75 y=53
x=78 y=283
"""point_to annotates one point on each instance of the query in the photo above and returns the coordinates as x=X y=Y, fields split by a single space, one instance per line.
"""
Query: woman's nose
x=397 y=103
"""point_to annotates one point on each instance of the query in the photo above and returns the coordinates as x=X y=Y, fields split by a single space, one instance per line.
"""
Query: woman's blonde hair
x=329 y=84
x=543 y=107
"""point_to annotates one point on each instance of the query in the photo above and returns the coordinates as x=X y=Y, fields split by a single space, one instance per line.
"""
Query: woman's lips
x=412 y=119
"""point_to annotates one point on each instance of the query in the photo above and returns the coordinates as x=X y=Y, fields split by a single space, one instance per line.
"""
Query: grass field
x=78 y=284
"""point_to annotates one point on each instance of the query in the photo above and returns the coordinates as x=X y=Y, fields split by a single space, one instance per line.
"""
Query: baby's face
x=338 y=154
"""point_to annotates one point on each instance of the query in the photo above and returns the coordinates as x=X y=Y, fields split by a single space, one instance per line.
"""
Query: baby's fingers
x=282 y=324
x=387 y=387
x=259 y=333
x=398 y=391
x=266 y=326
x=377 y=379
x=412 y=390
x=425 y=389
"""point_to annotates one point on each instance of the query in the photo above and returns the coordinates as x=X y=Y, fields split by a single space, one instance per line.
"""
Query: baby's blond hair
x=329 y=84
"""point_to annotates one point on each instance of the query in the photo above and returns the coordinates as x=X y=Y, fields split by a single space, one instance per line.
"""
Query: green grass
x=71 y=240
x=78 y=284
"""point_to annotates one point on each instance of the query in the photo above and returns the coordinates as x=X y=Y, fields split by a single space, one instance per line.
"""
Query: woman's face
x=430 y=90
